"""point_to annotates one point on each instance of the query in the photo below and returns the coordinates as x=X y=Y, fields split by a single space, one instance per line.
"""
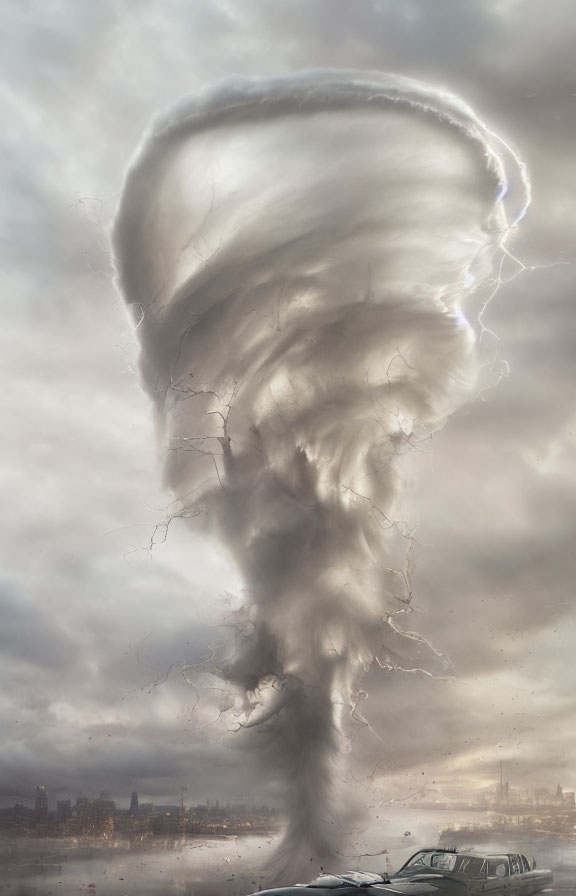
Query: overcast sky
x=94 y=626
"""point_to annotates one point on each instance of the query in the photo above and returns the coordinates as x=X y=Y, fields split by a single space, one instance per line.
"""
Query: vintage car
x=434 y=872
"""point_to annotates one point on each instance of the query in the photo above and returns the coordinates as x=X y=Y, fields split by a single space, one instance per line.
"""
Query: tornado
x=301 y=254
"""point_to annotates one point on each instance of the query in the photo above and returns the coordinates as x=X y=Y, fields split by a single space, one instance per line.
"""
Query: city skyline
x=498 y=790
x=53 y=797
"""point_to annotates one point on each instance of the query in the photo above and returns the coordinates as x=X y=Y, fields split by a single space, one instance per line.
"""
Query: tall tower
x=41 y=803
x=134 y=804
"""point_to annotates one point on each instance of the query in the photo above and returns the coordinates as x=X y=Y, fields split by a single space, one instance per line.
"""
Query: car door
x=519 y=882
x=535 y=881
x=497 y=875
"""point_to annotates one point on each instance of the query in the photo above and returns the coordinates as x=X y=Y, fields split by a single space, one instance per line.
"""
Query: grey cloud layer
x=499 y=494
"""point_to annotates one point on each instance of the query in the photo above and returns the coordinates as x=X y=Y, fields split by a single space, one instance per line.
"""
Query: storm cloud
x=494 y=568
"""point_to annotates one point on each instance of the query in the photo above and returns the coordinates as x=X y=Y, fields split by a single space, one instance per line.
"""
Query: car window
x=525 y=863
x=471 y=866
x=421 y=858
x=498 y=866
x=515 y=865
x=443 y=861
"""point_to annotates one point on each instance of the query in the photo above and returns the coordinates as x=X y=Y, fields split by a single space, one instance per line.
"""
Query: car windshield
x=444 y=861
x=469 y=866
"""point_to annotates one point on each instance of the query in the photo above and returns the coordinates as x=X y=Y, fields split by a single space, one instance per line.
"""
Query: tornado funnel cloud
x=300 y=254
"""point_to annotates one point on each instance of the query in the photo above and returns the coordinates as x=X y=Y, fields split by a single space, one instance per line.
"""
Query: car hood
x=419 y=885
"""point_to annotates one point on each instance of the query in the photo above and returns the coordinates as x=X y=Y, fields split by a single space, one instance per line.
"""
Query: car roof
x=472 y=855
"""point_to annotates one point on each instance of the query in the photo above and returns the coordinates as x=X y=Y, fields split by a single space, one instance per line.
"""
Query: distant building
x=63 y=810
x=103 y=807
x=82 y=808
x=41 y=803
x=170 y=809
x=134 y=804
x=23 y=812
